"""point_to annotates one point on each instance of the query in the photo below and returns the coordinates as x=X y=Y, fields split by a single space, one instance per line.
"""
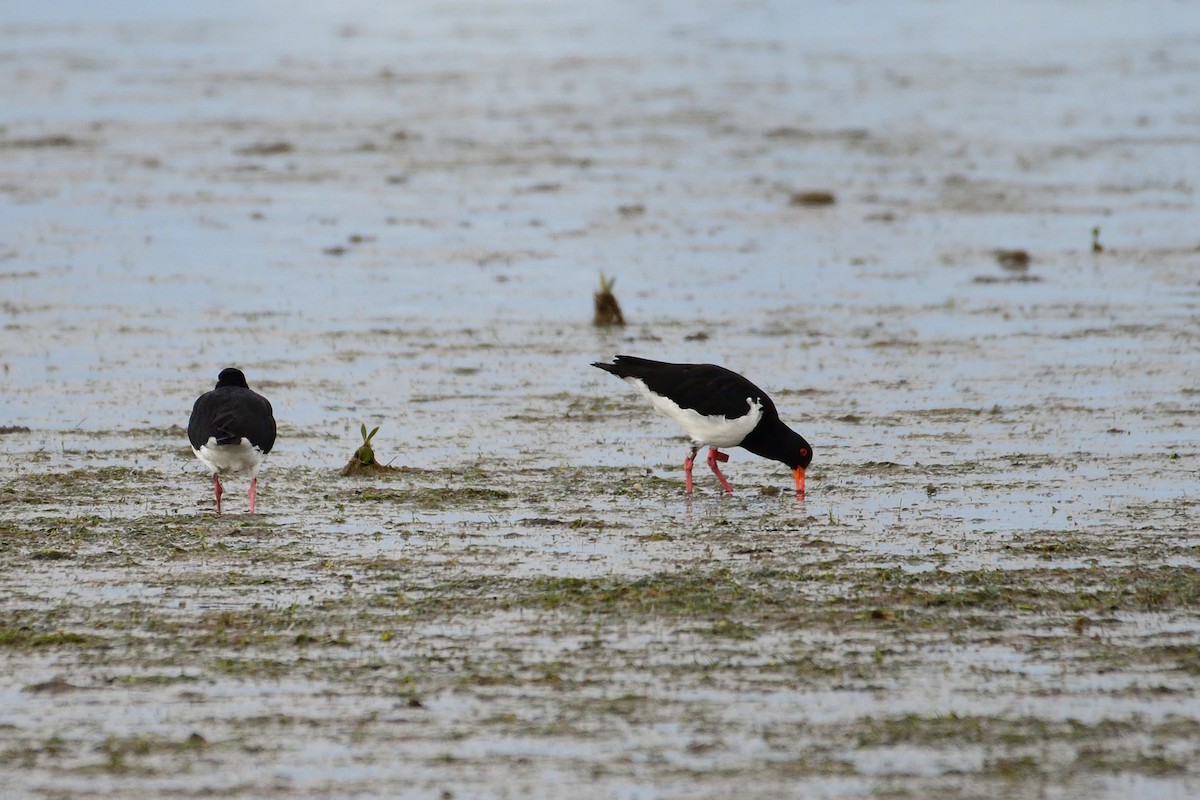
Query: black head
x=231 y=377
x=801 y=455
x=780 y=443
x=801 y=458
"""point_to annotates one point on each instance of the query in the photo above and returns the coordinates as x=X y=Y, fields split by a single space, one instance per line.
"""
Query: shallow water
x=397 y=216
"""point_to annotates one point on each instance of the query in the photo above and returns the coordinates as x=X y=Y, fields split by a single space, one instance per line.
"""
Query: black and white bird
x=231 y=430
x=718 y=408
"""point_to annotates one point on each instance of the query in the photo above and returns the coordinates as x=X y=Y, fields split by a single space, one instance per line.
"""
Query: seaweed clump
x=363 y=461
x=608 y=310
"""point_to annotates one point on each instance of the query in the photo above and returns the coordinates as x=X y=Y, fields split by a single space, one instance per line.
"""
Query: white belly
x=230 y=458
x=714 y=431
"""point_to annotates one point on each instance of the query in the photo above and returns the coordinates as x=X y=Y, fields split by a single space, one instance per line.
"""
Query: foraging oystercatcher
x=231 y=429
x=717 y=408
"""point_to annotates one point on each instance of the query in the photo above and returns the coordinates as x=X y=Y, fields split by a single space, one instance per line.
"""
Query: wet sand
x=398 y=218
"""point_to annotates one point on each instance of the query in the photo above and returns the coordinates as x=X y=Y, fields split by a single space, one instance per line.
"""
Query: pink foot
x=714 y=456
x=217 y=490
x=252 y=493
x=687 y=471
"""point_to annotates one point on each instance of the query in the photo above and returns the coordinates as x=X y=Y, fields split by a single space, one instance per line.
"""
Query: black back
x=712 y=390
x=231 y=412
x=704 y=388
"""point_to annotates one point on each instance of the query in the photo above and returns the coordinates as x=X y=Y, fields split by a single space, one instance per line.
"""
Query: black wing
x=231 y=413
x=706 y=388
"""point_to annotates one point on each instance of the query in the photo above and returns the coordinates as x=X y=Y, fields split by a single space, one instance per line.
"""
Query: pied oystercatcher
x=717 y=408
x=231 y=429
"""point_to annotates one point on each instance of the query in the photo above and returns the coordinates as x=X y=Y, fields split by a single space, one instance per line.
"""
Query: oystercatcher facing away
x=231 y=429
x=717 y=408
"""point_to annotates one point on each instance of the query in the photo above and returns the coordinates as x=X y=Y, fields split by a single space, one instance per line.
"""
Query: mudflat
x=957 y=246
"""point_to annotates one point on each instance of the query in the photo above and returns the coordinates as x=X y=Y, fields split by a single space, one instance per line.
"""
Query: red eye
x=803 y=451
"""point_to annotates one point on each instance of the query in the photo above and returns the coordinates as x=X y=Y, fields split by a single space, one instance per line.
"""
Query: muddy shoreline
x=399 y=218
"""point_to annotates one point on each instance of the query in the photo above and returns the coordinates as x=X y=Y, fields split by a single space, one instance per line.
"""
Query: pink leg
x=217 y=490
x=687 y=470
x=714 y=455
x=252 y=493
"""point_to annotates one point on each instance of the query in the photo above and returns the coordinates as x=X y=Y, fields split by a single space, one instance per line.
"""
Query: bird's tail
x=628 y=366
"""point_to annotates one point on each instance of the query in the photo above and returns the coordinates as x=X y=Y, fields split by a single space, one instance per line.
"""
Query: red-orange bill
x=799 y=473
